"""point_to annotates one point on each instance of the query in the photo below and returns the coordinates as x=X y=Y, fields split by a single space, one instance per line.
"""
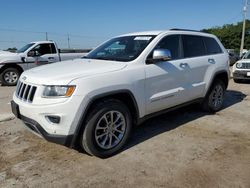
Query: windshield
x=26 y=47
x=247 y=55
x=125 y=48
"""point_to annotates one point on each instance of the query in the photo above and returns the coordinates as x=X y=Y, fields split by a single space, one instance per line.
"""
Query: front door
x=165 y=83
x=42 y=54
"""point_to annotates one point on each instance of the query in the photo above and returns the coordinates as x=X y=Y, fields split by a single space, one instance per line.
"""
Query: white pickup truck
x=29 y=56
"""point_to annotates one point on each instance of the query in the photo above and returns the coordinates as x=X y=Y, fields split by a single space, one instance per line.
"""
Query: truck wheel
x=10 y=76
x=108 y=127
x=213 y=101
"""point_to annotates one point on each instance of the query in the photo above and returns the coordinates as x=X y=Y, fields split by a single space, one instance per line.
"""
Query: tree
x=14 y=49
x=230 y=35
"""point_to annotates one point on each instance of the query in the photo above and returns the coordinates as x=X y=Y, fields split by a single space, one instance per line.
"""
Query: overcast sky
x=90 y=22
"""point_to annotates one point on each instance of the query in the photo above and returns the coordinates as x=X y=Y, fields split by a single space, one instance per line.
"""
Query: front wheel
x=213 y=101
x=10 y=76
x=108 y=127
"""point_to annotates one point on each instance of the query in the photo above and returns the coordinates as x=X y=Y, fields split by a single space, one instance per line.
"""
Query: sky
x=90 y=22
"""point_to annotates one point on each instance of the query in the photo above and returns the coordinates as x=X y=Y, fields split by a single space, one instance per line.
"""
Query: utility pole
x=68 y=42
x=46 y=33
x=243 y=28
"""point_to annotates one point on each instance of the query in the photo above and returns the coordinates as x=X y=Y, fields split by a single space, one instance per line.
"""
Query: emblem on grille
x=24 y=78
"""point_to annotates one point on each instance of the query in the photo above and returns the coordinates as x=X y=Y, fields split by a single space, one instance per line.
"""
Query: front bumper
x=241 y=74
x=35 y=127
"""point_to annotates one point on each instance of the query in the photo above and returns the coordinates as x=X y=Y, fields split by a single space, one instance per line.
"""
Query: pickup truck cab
x=31 y=55
x=96 y=101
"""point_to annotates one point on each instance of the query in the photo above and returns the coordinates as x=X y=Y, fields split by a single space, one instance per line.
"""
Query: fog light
x=53 y=119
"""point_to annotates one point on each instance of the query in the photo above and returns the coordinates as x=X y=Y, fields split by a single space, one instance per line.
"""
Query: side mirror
x=161 y=55
x=23 y=59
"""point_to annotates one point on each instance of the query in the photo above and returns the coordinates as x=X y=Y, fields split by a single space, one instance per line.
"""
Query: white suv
x=97 y=100
x=241 y=69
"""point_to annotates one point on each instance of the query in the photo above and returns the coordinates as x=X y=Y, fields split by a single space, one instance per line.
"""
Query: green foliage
x=11 y=49
x=230 y=35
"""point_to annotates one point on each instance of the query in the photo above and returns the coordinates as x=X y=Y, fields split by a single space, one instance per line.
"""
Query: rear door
x=201 y=54
x=196 y=62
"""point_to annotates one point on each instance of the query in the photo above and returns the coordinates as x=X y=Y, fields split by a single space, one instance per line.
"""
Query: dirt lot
x=185 y=148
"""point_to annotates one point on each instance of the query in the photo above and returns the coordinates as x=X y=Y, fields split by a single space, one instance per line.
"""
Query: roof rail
x=177 y=29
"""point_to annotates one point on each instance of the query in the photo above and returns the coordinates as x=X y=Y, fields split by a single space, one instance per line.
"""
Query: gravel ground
x=184 y=148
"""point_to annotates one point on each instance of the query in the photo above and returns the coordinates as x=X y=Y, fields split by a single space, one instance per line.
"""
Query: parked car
x=241 y=69
x=233 y=56
x=96 y=101
x=31 y=55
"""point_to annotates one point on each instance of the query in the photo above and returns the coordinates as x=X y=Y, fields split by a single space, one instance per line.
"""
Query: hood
x=62 y=73
x=9 y=57
x=4 y=52
x=243 y=61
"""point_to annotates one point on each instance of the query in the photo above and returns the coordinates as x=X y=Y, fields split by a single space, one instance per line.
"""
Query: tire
x=10 y=76
x=99 y=129
x=213 y=101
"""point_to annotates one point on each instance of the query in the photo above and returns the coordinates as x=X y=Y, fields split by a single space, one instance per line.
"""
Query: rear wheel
x=108 y=127
x=213 y=101
x=10 y=76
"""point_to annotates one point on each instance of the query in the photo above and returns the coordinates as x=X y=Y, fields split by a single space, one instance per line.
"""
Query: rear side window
x=193 y=46
x=53 y=48
x=212 y=46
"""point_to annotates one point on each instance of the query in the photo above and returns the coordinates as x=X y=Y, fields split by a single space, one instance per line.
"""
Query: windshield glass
x=247 y=55
x=125 y=48
x=26 y=47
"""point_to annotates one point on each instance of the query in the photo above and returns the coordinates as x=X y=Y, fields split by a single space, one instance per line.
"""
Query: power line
x=51 y=33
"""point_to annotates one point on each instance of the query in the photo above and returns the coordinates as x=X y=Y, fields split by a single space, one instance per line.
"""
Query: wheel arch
x=126 y=96
x=11 y=65
x=221 y=75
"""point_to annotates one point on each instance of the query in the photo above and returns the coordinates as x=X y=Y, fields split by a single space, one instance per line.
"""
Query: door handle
x=183 y=65
x=211 y=61
x=51 y=58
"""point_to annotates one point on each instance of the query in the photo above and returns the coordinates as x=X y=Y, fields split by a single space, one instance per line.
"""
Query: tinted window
x=172 y=43
x=212 y=46
x=193 y=46
x=53 y=48
x=43 y=49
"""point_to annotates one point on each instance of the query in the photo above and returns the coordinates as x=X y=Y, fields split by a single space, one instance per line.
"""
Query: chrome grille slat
x=28 y=98
x=245 y=66
x=19 y=89
x=22 y=92
x=25 y=92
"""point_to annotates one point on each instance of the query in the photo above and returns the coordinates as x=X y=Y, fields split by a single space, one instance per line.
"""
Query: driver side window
x=172 y=43
x=42 y=49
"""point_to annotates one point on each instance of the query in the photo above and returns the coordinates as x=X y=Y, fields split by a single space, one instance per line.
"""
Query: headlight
x=58 y=91
x=239 y=65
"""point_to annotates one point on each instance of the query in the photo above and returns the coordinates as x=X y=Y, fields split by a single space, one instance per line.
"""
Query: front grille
x=25 y=92
x=245 y=66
